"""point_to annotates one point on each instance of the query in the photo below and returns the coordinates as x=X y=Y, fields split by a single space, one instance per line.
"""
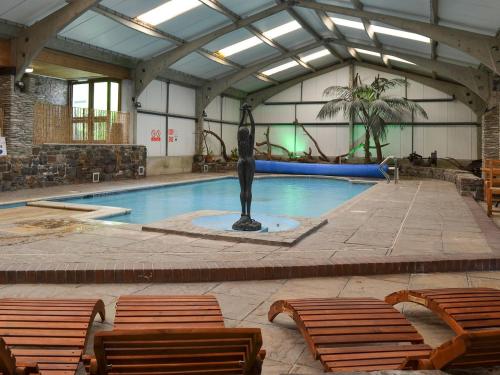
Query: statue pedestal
x=247 y=224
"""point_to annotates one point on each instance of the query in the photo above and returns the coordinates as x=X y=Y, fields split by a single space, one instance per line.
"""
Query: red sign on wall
x=171 y=136
x=155 y=135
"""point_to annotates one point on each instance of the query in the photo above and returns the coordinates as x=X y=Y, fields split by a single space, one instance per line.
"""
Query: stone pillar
x=491 y=129
x=18 y=106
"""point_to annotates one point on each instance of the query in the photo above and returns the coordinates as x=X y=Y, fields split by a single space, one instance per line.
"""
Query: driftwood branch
x=322 y=156
x=223 y=145
x=270 y=145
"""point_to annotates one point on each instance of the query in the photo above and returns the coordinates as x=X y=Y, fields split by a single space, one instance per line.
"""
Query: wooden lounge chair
x=354 y=334
x=8 y=364
x=472 y=313
x=49 y=333
x=175 y=335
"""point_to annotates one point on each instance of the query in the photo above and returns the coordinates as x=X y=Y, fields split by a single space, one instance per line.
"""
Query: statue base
x=247 y=224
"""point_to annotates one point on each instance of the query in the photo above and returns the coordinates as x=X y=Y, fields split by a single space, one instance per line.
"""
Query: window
x=95 y=104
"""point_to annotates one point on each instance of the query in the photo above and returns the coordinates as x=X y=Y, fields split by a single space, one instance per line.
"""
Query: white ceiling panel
x=132 y=8
x=481 y=16
x=415 y=9
x=27 y=12
x=273 y=21
x=200 y=66
x=250 y=84
x=246 y=7
x=194 y=23
x=254 y=54
x=295 y=39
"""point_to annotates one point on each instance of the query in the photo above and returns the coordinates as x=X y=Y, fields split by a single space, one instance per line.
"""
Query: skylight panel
x=253 y=41
x=282 y=30
x=240 y=46
x=315 y=55
x=380 y=29
x=367 y=52
x=280 y=68
x=400 y=33
x=348 y=23
x=167 y=11
x=399 y=59
x=291 y=64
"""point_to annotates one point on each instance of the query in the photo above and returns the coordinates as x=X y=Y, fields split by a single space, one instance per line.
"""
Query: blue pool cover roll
x=344 y=170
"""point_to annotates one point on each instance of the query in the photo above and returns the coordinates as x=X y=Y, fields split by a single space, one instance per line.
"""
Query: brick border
x=237 y=271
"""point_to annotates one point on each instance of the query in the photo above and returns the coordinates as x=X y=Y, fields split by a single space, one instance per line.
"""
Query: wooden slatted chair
x=354 y=334
x=472 y=313
x=8 y=365
x=178 y=351
x=491 y=172
x=51 y=333
x=175 y=335
x=160 y=312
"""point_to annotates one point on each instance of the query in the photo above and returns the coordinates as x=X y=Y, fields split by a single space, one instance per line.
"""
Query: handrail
x=395 y=169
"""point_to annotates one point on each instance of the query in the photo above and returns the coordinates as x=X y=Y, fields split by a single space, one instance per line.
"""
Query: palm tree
x=369 y=105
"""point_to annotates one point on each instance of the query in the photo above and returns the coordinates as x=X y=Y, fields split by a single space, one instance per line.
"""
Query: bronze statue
x=246 y=170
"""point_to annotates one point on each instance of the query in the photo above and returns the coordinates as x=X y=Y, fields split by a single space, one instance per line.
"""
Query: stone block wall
x=51 y=165
x=18 y=106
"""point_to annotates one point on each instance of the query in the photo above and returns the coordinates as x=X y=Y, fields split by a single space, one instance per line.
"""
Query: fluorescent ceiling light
x=366 y=52
x=167 y=11
x=315 y=55
x=399 y=59
x=28 y=70
x=380 y=29
x=400 y=33
x=253 y=41
x=280 y=68
x=348 y=23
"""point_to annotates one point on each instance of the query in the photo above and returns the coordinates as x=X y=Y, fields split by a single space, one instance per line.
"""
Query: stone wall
x=18 y=106
x=466 y=182
x=491 y=129
x=50 y=165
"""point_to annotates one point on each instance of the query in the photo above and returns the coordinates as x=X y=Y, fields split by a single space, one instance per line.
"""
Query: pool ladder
x=395 y=169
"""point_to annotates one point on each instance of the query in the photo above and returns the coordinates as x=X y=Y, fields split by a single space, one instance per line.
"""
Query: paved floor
x=408 y=219
x=245 y=304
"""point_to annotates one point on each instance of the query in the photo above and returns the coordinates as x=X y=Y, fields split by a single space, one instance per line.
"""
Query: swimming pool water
x=287 y=196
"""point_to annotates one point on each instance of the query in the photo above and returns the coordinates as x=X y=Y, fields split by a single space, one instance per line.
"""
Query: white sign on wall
x=3 y=146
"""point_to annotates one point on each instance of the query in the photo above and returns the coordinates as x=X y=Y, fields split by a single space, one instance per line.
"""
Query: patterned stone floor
x=245 y=304
x=411 y=218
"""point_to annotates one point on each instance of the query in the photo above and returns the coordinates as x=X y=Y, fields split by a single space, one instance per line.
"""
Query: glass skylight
x=400 y=33
x=315 y=55
x=399 y=59
x=348 y=23
x=366 y=52
x=280 y=68
x=253 y=41
x=380 y=29
x=167 y=11
x=291 y=64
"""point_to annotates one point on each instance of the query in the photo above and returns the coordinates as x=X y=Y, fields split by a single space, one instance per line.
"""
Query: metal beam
x=305 y=25
x=217 y=6
x=32 y=39
x=260 y=96
x=147 y=71
x=367 y=25
x=483 y=47
x=434 y=8
x=459 y=92
x=214 y=88
x=477 y=80
x=334 y=31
